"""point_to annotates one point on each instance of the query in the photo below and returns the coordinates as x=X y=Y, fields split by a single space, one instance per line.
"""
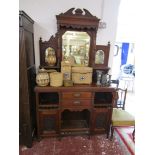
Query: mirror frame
x=106 y=49
x=78 y=20
x=43 y=45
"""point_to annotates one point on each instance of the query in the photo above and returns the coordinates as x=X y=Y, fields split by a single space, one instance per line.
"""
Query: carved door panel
x=48 y=122
x=100 y=120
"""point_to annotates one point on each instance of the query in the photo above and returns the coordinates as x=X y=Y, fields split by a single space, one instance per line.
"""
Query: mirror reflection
x=75 y=48
x=99 y=57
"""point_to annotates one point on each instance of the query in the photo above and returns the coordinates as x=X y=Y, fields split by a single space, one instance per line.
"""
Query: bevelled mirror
x=75 y=47
x=99 y=57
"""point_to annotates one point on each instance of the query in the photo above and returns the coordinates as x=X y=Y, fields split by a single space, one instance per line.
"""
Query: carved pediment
x=52 y=40
x=78 y=12
x=76 y=19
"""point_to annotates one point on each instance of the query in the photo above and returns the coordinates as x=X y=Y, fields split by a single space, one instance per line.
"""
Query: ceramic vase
x=42 y=78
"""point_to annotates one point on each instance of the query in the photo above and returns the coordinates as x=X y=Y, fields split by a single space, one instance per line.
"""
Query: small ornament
x=42 y=78
x=99 y=76
x=50 y=58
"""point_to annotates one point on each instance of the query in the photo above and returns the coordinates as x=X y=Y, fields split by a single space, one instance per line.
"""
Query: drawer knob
x=76 y=102
x=77 y=95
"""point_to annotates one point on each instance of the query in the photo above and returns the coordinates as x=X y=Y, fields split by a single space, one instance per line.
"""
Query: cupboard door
x=25 y=126
x=101 y=120
x=48 y=122
x=27 y=121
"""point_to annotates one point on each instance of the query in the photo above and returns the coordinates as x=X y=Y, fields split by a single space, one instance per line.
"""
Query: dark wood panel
x=25 y=21
x=101 y=122
x=27 y=74
x=48 y=122
x=24 y=109
x=29 y=47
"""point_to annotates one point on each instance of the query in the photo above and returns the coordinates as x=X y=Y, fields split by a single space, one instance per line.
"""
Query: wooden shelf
x=49 y=106
x=70 y=125
x=70 y=133
x=49 y=67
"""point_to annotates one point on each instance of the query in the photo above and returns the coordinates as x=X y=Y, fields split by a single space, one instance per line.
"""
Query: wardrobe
x=27 y=75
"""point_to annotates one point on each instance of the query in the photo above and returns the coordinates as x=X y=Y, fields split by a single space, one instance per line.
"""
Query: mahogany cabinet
x=27 y=75
x=81 y=109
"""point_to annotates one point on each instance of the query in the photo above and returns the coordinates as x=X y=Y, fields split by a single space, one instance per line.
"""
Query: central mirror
x=76 y=47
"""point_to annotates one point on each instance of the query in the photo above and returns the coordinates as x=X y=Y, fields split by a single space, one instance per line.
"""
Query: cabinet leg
x=112 y=132
x=38 y=138
x=133 y=134
x=108 y=131
x=107 y=135
x=89 y=136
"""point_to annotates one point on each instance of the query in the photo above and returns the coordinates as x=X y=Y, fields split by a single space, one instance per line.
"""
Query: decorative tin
x=82 y=75
x=66 y=70
x=56 y=79
x=68 y=83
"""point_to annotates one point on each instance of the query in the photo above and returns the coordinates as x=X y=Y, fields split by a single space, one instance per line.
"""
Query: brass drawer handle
x=77 y=95
x=76 y=102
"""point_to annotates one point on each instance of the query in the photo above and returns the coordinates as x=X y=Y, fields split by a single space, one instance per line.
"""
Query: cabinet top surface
x=91 y=88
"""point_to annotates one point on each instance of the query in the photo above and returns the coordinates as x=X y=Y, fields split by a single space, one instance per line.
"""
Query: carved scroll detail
x=77 y=12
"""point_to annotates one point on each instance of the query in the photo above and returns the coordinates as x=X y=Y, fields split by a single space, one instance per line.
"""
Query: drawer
x=76 y=103
x=76 y=95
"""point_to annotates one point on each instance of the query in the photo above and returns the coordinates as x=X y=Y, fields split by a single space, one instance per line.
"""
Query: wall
x=126 y=28
x=43 y=13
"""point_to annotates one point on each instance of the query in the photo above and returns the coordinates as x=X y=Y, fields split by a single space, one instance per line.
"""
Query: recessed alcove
x=75 y=120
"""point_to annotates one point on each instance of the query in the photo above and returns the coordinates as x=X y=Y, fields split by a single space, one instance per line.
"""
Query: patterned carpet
x=125 y=138
x=74 y=145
